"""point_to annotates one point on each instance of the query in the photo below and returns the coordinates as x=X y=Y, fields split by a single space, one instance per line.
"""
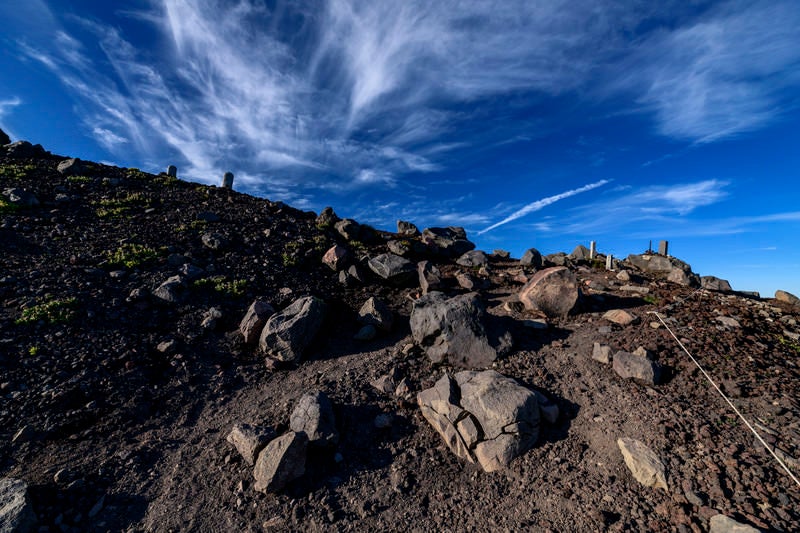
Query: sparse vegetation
x=290 y=254
x=790 y=344
x=33 y=351
x=649 y=298
x=193 y=225
x=7 y=207
x=117 y=207
x=132 y=255
x=136 y=174
x=220 y=284
x=79 y=179
x=52 y=312
x=16 y=171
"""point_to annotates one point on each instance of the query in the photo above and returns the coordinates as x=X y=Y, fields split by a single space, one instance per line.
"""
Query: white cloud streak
x=544 y=202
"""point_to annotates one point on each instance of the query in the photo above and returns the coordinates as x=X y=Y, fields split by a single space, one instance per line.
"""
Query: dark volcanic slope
x=121 y=431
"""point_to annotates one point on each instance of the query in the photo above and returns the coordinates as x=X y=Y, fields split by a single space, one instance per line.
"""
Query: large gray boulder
x=713 y=283
x=16 y=513
x=171 y=290
x=681 y=277
x=473 y=258
x=21 y=197
x=554 y=291
x=349 y=229
x=407 y=228
x=482 y=416
x=651 y=263
x=24 y=149
x=643 y=463
x=336 y=257
x=637 y=367
x=313 y=415
x=580 y=253
x=71 y=167
x=452 y=330
x=254 y=321
x=723 y=524
x=287 y=334
x=393 y=268
x=283 y=460
x=533 y=258
x=448 y=242
x=249 y=440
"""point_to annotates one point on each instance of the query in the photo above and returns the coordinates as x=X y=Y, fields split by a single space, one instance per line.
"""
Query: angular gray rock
x=21 y=197
x=170 y=291
x=254 y=320
x=728 y=322
x=723 y=524
x=287 y=334
x=632 y=366
x=351 y=277
x=313 y=415
x=327 y=218
x=214 y=241
x=393 y=268
x=249 y=440
x=376 y=312
x=643 y=463
x=651 y=263
x=407 y=228
x=686 y=279
x=71 y=167
x=16 y=513
x=601 y=353
x=336 y=257
x=349 y=229
x=449 y=242
x=502 y=254
x=283 y=460
x=713 y=283
x=533 y=258
x=430 y=279
x=554 y=291
x=787 y=297
x=23 y=149
x=473 y=258
x=452 y=330
x=482 y=416
x=558 y=259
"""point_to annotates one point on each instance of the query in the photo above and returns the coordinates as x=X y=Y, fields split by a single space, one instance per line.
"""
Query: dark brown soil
x=121 y=436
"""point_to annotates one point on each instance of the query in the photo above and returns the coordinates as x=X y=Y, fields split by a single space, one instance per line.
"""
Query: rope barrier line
x=778 y=459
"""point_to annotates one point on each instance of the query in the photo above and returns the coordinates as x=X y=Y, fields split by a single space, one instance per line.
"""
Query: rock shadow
x=599 y=303
x=567 y=412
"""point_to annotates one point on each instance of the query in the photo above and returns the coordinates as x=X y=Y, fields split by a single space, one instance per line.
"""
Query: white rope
x=780 y=462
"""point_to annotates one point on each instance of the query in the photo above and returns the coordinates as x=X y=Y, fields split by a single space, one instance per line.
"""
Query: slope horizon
x=543 y=127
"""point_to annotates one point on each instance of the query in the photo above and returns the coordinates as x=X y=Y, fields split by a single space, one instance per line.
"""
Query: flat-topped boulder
x=393 y=268
x=449 y=242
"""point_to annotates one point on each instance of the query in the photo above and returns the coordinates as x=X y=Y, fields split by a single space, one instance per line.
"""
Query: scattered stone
x=351 y=277
x=713 y=283
x=393 y=268
x=384 y=384
x=168 y=347
x=465 y=281
x=24 y=434
x=787 y=297
x=635 y=288
x=451 y=330
x=533 y=258
x=558 y=259
x=430 y=279
x=407 y=228
x=502 y=254
x=643 y=463
x=249 y=440
x=473 y=259
x=728 y=322
x=621 y=317
x=377 y=313
x=214 y=241
x=554 y=291
x=21 y=197
x=287 y=334
x=211 y=318
x=283 y=460
x=631 y=366
x=482 y=416
x=71 y=167
x=170 y=291
x=313 y=415
x=16 y=512
x=336 y=257
x=723 y=524
x=601 y=353
x=254 y=320
x=366 y=333
x=682 y=278
x=623 y=275
x=449 y=242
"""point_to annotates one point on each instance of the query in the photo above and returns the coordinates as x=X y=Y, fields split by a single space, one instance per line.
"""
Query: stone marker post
x=172 y=171
x=609 y=262
x=663 y=246
x=227 y=180
x=592 y=250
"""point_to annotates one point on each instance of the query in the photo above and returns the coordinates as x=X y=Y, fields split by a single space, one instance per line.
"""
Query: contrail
x=544 y=202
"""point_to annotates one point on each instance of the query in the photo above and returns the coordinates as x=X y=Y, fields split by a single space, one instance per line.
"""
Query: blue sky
x=540 y=124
